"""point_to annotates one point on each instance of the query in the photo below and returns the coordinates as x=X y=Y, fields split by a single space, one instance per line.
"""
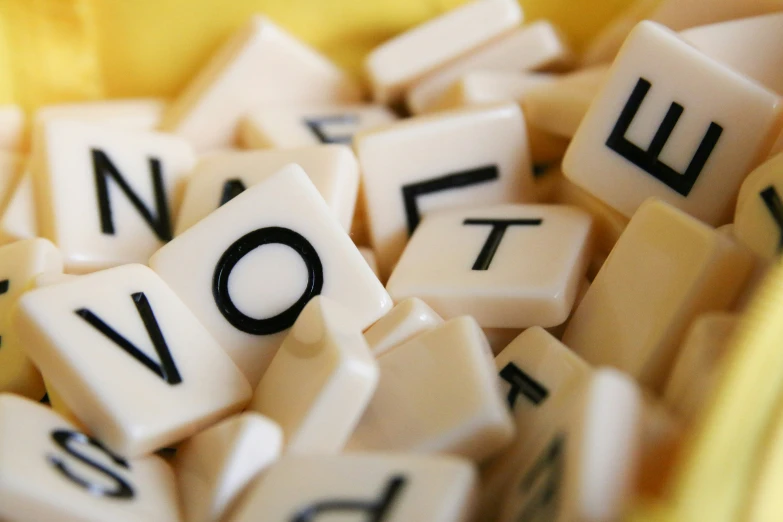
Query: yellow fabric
x=58 y=50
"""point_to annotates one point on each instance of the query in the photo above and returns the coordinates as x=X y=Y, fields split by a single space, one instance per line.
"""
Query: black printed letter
x=243 y=246
x=775 y=206
x=492 y=243
x=167 y=369
x=231 y=189
x=103 y=168
x=647 y=160
x=316 y=126
x=64 y=438
x=522 y=383
x=376 y=510
x=543 y=505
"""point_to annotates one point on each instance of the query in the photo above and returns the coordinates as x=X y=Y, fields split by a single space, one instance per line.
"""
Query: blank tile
x=319 y=381
x=260 y=64
x=277 y=127
x=388 y=488
x=406 y=320
x=694 y=372
x=508 y=266
x=254 y=263
x=666 y=269
x=12 y=122
x=51 y=471
x=758 y=219
x=107 y=196
x=215 y=466
x=438 y=393
x=531 y=47
x=634 y=144
x=462 y=158
x=114 y=342
x=221 y=176
x=20 y=262
x=396 y=64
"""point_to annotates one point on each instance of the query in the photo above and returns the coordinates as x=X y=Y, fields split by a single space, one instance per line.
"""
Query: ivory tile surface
x=438 y=393
x=535 y=46
x=12 y=122
x=369 y=256
x=406 y=320
x=319 y=381
x=215 y=466
x=461 y=158
x=19 y=221
x=260 y=64
x=758 y=219
x=115 y=342
x=387 y=488
x=51 y=471
x=20 y=262
x=634 y=144
x=302 y=125
x=255 y=262
x=508 y=266
x=394 y=65
x=218 y=178
x=666 y=269
x=142 y=114
x=107 y=196
x=479 y=87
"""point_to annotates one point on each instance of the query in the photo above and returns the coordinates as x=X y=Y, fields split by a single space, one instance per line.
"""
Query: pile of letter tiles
x=495 y=283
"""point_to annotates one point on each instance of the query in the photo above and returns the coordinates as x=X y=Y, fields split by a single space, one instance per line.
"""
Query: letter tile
x=470 y=157
x=20 y=262
x=666 y=269
x=371 y=487
x=261 y=64
x=143 y=114
x=215 y=466
x=107 y=196
x=584 y=466
x=319 y=381
x=255 y=262
x=405 y=321
x=671 y=123
x=531 y=47
x=222 y=176
x=396 y=64
x=12 y=121
x=758 y=219
x=438 y=393
x=52 y=471
x=303 y=125
x=369 y=256
x=697 y=366
x=508 y=266
x=116 y=342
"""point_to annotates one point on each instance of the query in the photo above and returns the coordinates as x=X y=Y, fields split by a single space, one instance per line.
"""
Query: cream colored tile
x=142 y=114
x=438 y=393
x=359 y=233
x=406 y=320
x=531 y=47
x=19 y=221
x=559 y=106
x=666 y=269
x=303 y=125
x=462 y=158
x=508 y=266
x=540 y=377
x=107 y=196
x=499 y=338
x=260 y=64
x=479 y=87
x=758 y=219
x=584 y=286
x=57 y=404
x=628 y=149
x=115 y=342
x=254 y=263
x=215 y=466
x=12 y=127
x=697 y=366
x=369 y=256
x=584 y=465
x=396 y=64
x=319 y=381
x=51 y=471
x=11 y=168
x=388 y=488
x=758 y=273
x=20 y=262
x=333 y=169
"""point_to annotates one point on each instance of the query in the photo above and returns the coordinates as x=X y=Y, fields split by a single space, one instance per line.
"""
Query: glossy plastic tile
x=406 y=320
x=438 y=393
x=369 y=256
x=452 y=159
x=142 y=114
x=666 y=269
x=129 y=358
x=674 y=124
x=254 y=263
x=261 y=64
x=508 y=266
x=319 y=381
x=479 y=87
x=758 y=219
